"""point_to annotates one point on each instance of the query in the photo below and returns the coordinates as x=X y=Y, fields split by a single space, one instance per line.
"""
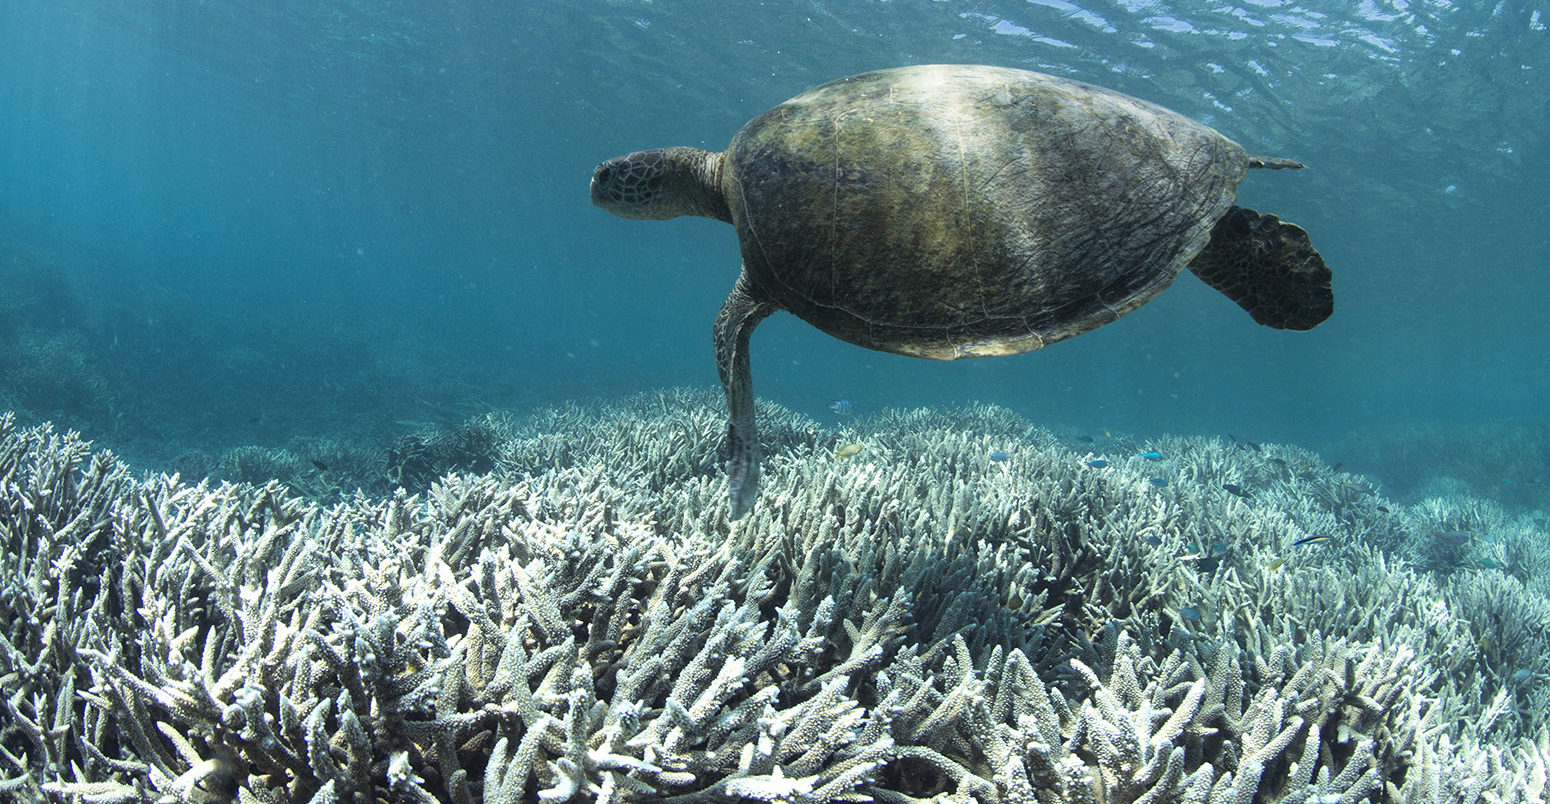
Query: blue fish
x=999 y=456
x=841 y=406
x=1097 y=463
x=1190 y=613
x=1314 y=539
x=1159 y=481
x=1152 y=456
x=1085 y=439
x=1522 y=675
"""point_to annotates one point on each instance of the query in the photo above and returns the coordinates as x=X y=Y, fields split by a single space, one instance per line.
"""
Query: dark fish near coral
x=1085 y=439
x=1152 y=541
x=1152 y=456
x=1097 y=463
x=842 y=407
x=1244 y=443
x=999 y=457
x=1208 y=565
x=322 y=467
x=1190 y=613
x=1236 y=490
x=1315 y=539
x=1158 y=481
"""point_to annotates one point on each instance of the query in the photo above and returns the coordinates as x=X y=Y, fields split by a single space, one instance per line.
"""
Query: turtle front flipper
x=742 y=312
x=1269 y=268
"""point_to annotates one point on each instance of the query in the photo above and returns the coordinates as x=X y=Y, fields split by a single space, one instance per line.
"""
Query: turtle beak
x=604 y=189
x=593 y=185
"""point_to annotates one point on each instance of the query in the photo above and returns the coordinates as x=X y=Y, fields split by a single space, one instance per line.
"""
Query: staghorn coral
x=415 y=461
x=915 y=623
x=1505 y=460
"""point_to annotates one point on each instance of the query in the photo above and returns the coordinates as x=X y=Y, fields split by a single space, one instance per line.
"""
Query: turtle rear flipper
x=1269 y=268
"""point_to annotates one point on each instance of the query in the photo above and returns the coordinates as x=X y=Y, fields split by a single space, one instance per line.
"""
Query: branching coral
x=918 y=622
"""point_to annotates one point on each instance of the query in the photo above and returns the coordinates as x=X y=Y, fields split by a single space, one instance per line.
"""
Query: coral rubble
x=915 y=623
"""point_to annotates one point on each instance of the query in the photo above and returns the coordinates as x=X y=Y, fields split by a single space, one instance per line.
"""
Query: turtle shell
x=952 y=211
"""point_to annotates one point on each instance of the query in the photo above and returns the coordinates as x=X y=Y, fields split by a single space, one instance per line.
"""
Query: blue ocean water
x=232 y=223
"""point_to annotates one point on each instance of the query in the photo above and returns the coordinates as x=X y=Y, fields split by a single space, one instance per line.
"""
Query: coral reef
x=917 y=622
x=323 y=470
x=417 y=460
x=1507 y=461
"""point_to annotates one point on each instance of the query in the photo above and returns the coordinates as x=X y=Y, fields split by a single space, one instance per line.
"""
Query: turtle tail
x=1269 y=268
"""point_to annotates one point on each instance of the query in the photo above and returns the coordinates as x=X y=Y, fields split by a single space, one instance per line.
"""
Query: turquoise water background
x=240 y=222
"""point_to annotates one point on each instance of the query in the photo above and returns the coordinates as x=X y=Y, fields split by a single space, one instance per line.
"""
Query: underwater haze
x=348 y=452
x=239 y=222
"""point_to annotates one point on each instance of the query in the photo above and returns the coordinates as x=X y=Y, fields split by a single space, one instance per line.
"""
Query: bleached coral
x=918 y=622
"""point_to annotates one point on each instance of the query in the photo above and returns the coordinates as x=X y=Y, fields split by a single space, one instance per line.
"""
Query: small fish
x=999 y=457
x=1236 y=490
x=1275 y=565
x=1097 y=463
x=1315 y=539
x=1158 y=481
x=848 y=451
x=1152 y=456
x=1209 y=564
x=322 y=467
x=1521 y=676
x=842 y=407
x=1383 y=509
x=1190 y=613
x=1085 y=439
x=1337 y=466
x=1152 y=541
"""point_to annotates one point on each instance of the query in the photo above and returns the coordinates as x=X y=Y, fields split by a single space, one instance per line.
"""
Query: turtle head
x=661 y=183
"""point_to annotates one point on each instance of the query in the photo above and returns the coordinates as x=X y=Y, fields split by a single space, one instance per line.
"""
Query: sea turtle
x=949 y=211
